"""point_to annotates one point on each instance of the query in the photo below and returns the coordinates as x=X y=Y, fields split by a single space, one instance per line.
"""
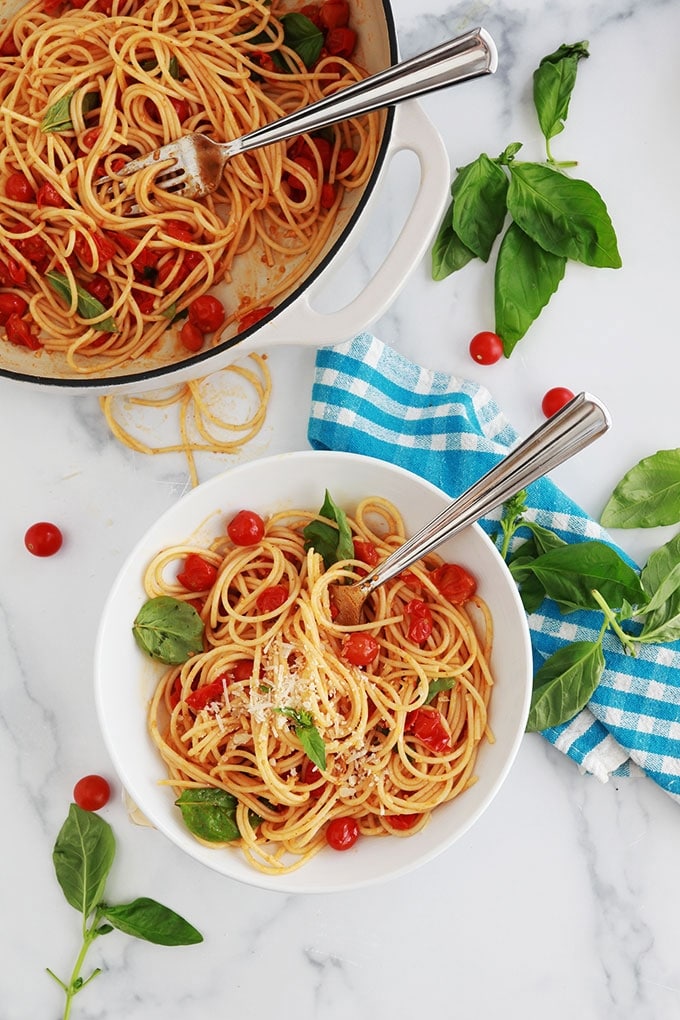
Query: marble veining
x=562 y=900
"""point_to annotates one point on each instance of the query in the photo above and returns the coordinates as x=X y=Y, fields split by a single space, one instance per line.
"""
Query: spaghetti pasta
x=86 y=85
x=305 y=723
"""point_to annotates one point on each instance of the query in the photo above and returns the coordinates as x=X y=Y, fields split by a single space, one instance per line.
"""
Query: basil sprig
x=552 y=217
x=88 y=307
x=303 y=36
x=83 y=854
x=210 y=813
x=57 y=117
x=587 y=575
x=168 y=630
x=307 y=734
x=333 y=543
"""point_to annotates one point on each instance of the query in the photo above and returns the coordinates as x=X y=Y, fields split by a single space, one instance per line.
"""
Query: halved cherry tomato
x=250 y=318
x=272 y=598
x=100 y=288
x=206 y=313
x=427 y=726
x=327 y=196
x=306 y=163
x=205 y=695
x=9 y=47
x=43 y=539
x=454 y=583
x=104 y=249
x=34 y=249
x=342 y=833
x=11 y=304
x=89 y=137
x=486 y=348
x=47 y=194
x=20 y=333
x=144 y=299
x=420 y=621
x=197 y=574
x=12 y=273
x=360 y=648
x=345 y=159
x=178 y=230
x=191 y=337
x=246 y=528
x=181 y=108
x=145 y=259
x=555 y=399
x=91 y=793
x=341 y=42
x=19 y=188
x=312 y=12
x=334 y=14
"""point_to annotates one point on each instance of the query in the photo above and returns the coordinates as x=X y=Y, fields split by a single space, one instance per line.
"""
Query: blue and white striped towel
x=369 y=399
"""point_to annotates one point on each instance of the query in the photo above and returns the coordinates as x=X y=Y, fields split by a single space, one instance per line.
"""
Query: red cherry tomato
x=420 y=621
x=327 y=196
x=246 y=528
x=346 y=158
x=100 y=288
x=91 y=793
x=47 y=194
x=360 y=648
x=43 y=539
x=454 y=582
x=197 y=574
x=206 y=313
x=19 y=332
x=178 y=230
x=342 y=833
x=206 y=695
x=403 y=822
x=254 y=316
x=555 y=399
x=11 y=304
x=191 y=337
x=271 y=599
x=367 y=553
x=486 y=348
x=334 y=14
x=19 y=188
x=104 y=249
x=340 y=42
x=427 y=726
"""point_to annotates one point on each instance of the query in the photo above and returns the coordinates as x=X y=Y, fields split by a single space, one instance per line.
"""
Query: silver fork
x=197 y=162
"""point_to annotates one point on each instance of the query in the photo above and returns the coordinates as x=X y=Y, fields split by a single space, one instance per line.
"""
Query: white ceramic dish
x=124 y=679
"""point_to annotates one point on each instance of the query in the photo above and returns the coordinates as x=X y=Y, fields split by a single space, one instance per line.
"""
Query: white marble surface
x=563 y=900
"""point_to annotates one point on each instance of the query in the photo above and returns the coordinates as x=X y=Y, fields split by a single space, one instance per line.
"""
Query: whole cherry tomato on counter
x=246 y=528
x=342 y=833
x=486 y=348
x=91 y=792
x=555 y=399
x=43 y=539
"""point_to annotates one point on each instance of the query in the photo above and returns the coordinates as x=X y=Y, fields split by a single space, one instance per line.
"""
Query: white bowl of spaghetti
x=276 y=747
x=98 y=298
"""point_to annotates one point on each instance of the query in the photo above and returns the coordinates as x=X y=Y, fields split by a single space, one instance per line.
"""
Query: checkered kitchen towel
x=368 y=399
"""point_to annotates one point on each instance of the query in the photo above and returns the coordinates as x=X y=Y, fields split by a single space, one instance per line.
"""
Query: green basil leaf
x=661 y=578
x=564 y=684
x=83 y=855
x=449 y=254
x=312 y=744
x=146 y=919
x=569 y=573
x=563 y=215
x=526 y=277
x=479 y=204
x=332 y=543
x=445 y=683
x=168 y=630
x=174 y=69
x=88 y=307
x=302 y=35
x=648 y=496
x=58 y=116
x=210 y=814
x=554 y=81
x=544 y=538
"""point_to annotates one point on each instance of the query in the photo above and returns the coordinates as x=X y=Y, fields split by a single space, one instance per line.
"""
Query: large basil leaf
x=648 y=495
x=210 y=813
x=332 y=543
x=661 y=579
x=88 y=307
x=554 y=81
x=83 y=855
x=448 y=251
x=479 y=204
x=564 y=215
x=302 y=35
x=526 y=278
x=146 y=919
x=569 y=574
x=564 y=684
x=168 y=630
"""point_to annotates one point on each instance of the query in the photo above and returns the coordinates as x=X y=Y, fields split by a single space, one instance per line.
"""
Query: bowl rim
x=290 y=883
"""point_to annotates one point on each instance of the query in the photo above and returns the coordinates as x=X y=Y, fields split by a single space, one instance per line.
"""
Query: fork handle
x=467 y=56
x=567 y=432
